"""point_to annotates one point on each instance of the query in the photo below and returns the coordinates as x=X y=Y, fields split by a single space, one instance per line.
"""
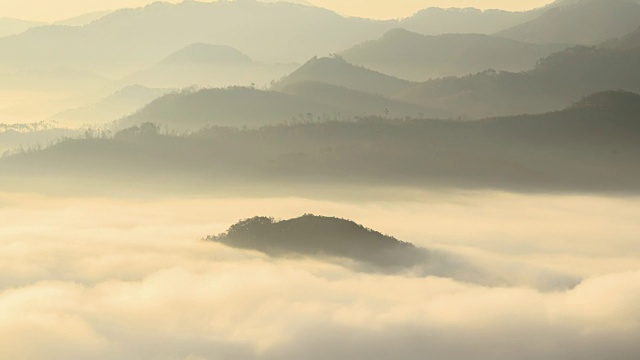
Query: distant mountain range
x=258 y=45
x=207 y=65
x=337 y=71
x=123 y=102
x=242 y=106
x=555 y=82
x=9 y=26
x=585 y=22
x=132 y=39
x=625 y=43
x=276 y=32
x=412 y=56
x=592 y=146
x=437 y=21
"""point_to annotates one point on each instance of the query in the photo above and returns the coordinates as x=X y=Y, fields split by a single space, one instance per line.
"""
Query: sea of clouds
x=98 y=278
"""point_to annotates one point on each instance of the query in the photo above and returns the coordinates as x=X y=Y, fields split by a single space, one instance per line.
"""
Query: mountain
x=9 y=26
x=115 y=106
x=555 y=82
x=304 y=101
x=438 y=21
x=234 y=106
x=587 y=22
x=591 y=146
x=84 y=19
x=206 y=54
x=337 y=71
x=207 y=65
x=628 y=42
x=14 y=137
x=413 y=56
x=312 y=235
x=350 y=244
x=132 y=39
x=355 y=103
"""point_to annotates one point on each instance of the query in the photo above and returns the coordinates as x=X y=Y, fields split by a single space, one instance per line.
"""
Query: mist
x=345 y=180
x=105 y=278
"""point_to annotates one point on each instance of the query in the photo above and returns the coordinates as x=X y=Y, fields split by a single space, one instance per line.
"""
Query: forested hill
x=319 y=235
x=592 y=146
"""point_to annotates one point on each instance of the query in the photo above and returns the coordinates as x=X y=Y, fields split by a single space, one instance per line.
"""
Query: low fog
x=132 y=278
x=266 y=180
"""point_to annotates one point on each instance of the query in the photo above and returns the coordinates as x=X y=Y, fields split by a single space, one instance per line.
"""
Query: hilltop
x=313 y=235
x=208 y=65
x=337 y=71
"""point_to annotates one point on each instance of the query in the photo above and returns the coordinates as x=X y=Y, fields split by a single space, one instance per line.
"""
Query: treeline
x=593 y=146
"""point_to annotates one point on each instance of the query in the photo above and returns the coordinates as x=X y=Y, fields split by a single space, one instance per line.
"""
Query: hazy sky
x=47 y=10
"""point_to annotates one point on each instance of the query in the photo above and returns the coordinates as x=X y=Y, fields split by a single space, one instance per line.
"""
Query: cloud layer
x=125 y=279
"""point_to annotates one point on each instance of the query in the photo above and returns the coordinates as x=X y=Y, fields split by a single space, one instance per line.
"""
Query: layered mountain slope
x=592 y=146
x=236 y=106
x=135 y=38
x=628 y=42
x=337 y=71
x=437 y=21
x=207 y=65
x=413 y=56
x=555 y=82
x=587 y=22
x=9 y=26
x=355 y=103
x=115 y=106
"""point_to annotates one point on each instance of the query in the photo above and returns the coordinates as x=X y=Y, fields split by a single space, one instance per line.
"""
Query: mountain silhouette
x=10 y=26
x=229 y=106
x=628 y=42
x=587 y=22
x=300 y=101
x=348 y=243
x=337 y=71
x=121 y=103
x=438 y=21
x=357 y=103
x=131 y=39
x=206 y=54
x=591 y=146
x=207 y=65
x=312 y=235
x=556 y=81
x=413 y=56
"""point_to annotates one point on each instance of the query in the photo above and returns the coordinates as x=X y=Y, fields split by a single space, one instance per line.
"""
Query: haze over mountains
x=9 y=26
x=337 y=71
x=553 y=84
x=161 y=29
x=501 y=148
x=207 y=65
x=587 y=22
x=417 y=57
x=591 y=146
x=359 y=82
x=92 y=61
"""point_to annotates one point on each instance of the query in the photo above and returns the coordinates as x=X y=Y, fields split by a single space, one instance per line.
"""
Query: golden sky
x=52 y=10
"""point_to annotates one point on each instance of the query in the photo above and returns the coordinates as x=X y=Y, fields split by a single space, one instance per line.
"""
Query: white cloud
x=126 y=279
